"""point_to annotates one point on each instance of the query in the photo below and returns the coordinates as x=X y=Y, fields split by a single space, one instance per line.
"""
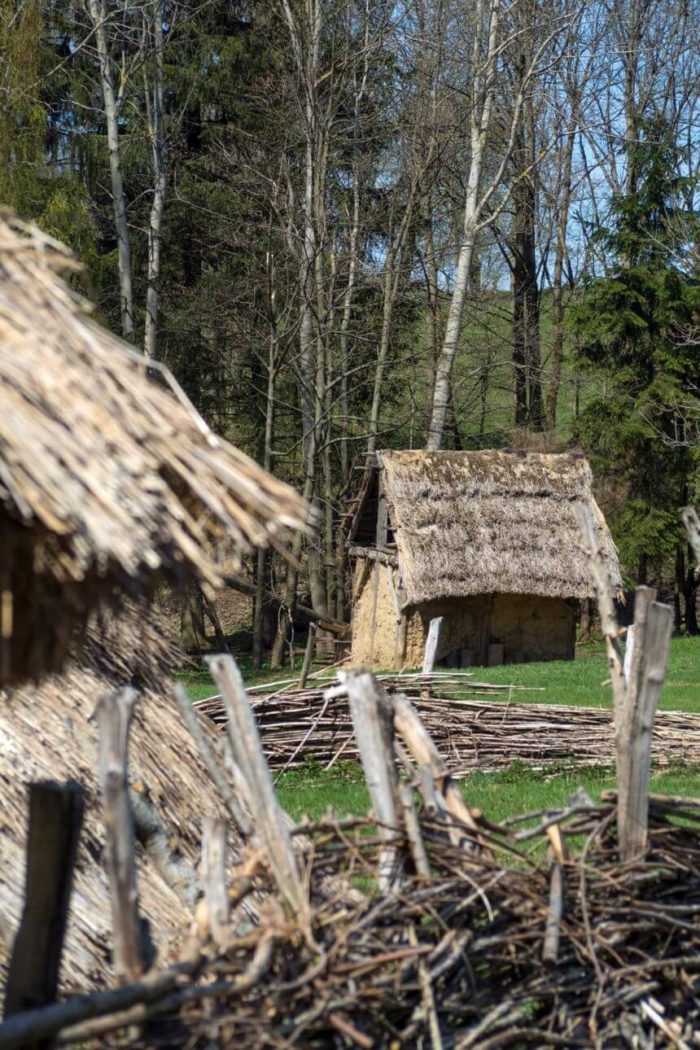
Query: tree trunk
x=557 y=277
x=192 y=633
x=98 y=17
x=154 y=106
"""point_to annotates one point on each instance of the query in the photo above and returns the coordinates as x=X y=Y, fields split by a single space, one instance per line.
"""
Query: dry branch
x=114 y=714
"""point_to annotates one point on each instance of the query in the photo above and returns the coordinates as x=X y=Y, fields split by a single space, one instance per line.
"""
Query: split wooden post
x=214 y=878
x=372 y=718
x=55 y=818
x=114 y=714
x=268 y=817
x=431 y=644
x=653 y=625
x=637 y=683
x=431 y=765
x=308 y=656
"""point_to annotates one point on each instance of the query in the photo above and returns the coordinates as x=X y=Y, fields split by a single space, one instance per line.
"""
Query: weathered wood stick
x=413 y=831
x=214 y=879
x=55 y=818
x=114 y=714
x=43 y=1023
x=308 y=656
x=372 y=718
x=653 y=627
x=233 y=805
x=606 y=604
x=269 y=821
x=550 y=948
x=431 y=644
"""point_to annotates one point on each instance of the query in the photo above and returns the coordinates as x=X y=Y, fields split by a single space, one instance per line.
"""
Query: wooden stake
x=214 y=878
x=653 y=627
x=372 y=718
x=55 y=817
x=431 y=644
x=268 y=817
x=114 y=714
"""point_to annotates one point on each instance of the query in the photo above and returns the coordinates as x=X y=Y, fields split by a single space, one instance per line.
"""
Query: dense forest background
x=354 y=224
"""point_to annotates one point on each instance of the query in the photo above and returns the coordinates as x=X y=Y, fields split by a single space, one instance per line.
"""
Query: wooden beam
x=55 y=818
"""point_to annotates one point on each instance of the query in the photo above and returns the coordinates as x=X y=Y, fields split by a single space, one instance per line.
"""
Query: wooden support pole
x=214 y=879
x=55 y=818
x=431 y=644
x=637 y=682
x=372 y=718
x=268 y=818
x=308 y=656
x=114 y=714
x=653 y=625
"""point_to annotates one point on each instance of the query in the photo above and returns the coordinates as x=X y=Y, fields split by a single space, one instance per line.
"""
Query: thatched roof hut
x=486 y=539
x=110 y=482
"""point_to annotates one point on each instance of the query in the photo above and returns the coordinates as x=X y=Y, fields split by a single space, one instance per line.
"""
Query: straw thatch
x=47 y=732
x=468 y=523
x=108 y=483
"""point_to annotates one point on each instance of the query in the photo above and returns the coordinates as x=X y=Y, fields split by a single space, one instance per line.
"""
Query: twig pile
x=302 y=725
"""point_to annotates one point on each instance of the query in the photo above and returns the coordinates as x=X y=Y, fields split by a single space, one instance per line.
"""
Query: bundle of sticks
x=299 y=726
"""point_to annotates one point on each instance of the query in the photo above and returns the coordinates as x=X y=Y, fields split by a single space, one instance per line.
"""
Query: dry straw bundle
x=109 y=481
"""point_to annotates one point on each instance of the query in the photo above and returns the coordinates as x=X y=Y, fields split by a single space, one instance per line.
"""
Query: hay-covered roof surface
x=492 y=522
x=109 y=480
x=48 y=732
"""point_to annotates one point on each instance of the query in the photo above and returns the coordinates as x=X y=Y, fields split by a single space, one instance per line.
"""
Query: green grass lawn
x=581 y=681
x=310 y=792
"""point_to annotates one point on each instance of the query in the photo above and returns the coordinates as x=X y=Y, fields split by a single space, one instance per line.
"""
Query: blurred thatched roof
x=491 y=522
x=47 y=732
x=109 y=481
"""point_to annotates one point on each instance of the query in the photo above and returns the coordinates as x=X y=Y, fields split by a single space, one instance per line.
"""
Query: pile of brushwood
x=426 y=926
x=298 y=726
x=423 y=925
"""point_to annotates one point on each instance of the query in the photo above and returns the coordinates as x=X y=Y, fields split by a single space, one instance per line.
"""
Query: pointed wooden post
x=653 y=624
x=114 y=714
x=373 y=721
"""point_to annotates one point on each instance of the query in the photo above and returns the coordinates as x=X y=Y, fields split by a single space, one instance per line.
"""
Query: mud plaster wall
x=528 y=627
x=374 y=638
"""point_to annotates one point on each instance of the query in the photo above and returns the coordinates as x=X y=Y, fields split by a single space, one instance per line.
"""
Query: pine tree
x=629 y=325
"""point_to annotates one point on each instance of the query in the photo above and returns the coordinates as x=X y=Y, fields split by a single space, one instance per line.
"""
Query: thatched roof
x=109 y=481
x=47 y=732
x=490 y=522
